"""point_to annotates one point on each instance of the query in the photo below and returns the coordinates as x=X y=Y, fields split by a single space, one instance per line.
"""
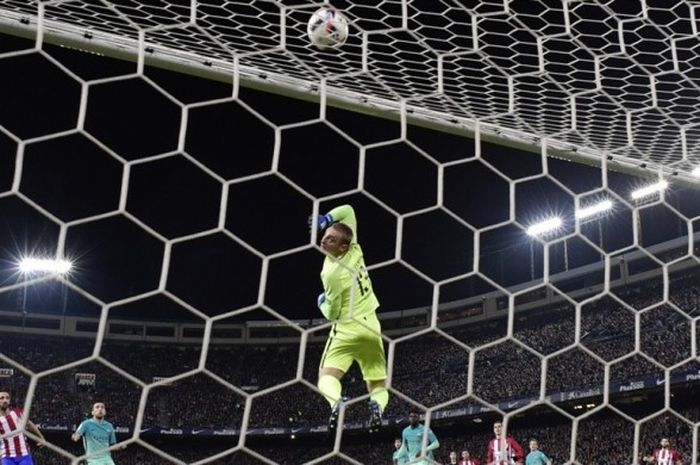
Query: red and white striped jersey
x=14 y=442
x=504 y=451
x=666 y=456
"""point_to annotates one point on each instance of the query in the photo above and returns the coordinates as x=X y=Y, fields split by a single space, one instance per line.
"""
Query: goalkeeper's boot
x=375 y=417
x=335 y=413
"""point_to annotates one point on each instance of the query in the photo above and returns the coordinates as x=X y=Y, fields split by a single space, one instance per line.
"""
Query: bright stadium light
x=593 y=210
x=545 y=226
x=696 y=172
x=649 y=190
x=44 y=265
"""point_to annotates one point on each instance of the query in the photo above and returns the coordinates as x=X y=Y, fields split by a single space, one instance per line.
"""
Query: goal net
x=524 y=175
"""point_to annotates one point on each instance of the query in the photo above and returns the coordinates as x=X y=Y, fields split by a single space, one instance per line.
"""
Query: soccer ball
x=327 y=28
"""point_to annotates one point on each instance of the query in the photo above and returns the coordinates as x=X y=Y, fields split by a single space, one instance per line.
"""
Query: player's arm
x=113 y=441
x=433 y=442
x=36 y=432
x=79 y=433
x=677 y=458
x=517 y=450
x=403 y=449
x=345 y=214
x=489 y=454
x=331 y=301
x=547 y=460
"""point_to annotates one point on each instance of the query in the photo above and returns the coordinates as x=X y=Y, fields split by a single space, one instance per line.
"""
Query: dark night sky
x=72 y=177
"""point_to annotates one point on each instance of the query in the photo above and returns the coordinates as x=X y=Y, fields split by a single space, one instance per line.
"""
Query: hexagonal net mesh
x=595 y=79
x=558 y=298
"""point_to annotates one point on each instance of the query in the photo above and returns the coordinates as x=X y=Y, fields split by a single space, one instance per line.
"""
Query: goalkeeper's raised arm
x=344 y=214
x=349 y=301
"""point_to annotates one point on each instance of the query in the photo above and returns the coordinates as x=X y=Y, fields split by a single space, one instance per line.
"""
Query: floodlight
x=593 y=210
x=545 y=226
x=696 y=172
x=44 y=265
x=649 y=190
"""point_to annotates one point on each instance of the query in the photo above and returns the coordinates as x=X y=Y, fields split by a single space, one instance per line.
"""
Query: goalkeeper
x=349 y=302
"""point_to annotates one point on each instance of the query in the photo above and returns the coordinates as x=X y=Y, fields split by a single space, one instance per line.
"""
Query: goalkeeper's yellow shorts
x=358 y=340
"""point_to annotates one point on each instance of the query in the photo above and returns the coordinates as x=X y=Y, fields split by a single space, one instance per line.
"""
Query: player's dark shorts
x=359 y=340
x=21 y=460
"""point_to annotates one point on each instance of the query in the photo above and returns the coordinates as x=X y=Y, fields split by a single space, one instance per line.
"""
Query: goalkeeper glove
x=321 y=223
x=324 y=306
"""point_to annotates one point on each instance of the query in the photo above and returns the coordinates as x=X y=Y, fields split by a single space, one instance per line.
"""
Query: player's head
x=98 y=410
x=4 y=400
x=534 y=445
x=498 y=428
x=413 y=417
x=465 y=455
x=397 y=443
x=337 y=239
x=665 y=443
x=453 y=457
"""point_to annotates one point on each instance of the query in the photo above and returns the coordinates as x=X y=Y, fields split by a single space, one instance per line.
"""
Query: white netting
x=595 y=77
x=152 y=197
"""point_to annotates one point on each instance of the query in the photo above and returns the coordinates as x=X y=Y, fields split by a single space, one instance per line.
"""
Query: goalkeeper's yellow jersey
x=346 y=281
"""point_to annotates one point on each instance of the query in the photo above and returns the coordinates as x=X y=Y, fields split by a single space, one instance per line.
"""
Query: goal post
x=96 y=40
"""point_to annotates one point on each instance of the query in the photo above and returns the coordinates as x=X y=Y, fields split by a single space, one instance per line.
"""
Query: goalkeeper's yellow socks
x=380 y=395
x=330 y=387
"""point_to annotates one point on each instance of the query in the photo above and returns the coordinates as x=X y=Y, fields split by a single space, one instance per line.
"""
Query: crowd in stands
x=430 y=368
